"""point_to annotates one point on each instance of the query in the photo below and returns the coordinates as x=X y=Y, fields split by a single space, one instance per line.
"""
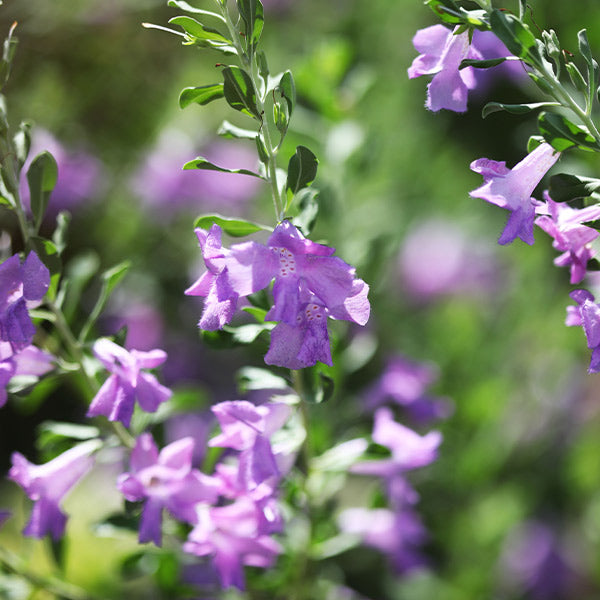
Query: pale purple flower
x=534 y=562
x=29 y=361
x=166 y=189
x=396 y=533
x=409 y=449
x=231 y=536
x=247 y=428
x=21 y=286
x=231 y=274
x=438 y=258
x=405 y=382
x=80 y=174
x=442 y=51
x=165 y=480
x=47 y=484
x=571 y=237
x=511 y=189
x=587 y=315
x=127 y=382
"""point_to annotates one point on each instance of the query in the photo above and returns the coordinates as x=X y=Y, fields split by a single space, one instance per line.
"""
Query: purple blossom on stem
x=21 y=285
x=571 y=237
x=127 y=382
x=587 y=315
x=29 y=361
x=165 y=480
x=511 y=189
x=442 y=51
x=47 y=484
x=231 y=535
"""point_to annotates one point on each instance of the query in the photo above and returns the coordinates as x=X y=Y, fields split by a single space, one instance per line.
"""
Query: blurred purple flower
x=439 y=258
x=409 y=449
x=587 y=315
x=442 y=51
x=165 y=188
x=231 y=535
x=47 y=484
x=127 y=382
x=533 y=562
x=405 y=382
x=21 y=285
x=397 y=534
x=165 y=480
x=29 y=361
x=145 y=326
x=79 y=174
x=511 y=189
x=571 y=237
x=196 y=425
x=4 y=516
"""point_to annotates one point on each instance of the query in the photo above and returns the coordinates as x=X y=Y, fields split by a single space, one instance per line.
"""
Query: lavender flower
x=511 y=189
x=127 y=382
x=29 y=361
x=442 y=51
x=231 y=535
x=587 y=315
x=47 y=484
x=21 y=285
x=165 y=480
x=79 y=173
x=571 y=237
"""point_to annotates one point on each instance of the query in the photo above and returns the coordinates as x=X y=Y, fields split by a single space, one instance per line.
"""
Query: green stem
x=60 y=589
x=249 y=64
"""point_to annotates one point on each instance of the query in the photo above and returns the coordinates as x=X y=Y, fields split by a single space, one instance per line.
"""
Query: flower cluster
x=310 y=284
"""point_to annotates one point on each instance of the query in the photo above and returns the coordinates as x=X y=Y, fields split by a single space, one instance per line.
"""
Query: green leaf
x=240 y=92
x=252 y=14
x=199 y=33
x=55 y=436
x=517 y=37
x=515 y=109
x=258 y=313
x=232 y=227
x=22 y=142
x=47 y=253
x=228 y=130
x=562 y=134
x=200 y=95
x=205 y=165
x=305 y=201
x=565 y=187
x=192 y=9
x=255 y=378
x=59 y=237
x=287 y=89
x=482 y=64
x=576 y=77
x=446 y=10
x=113 y=276
x=8 y=53
x=584 y=47
x=41 y=177
x=246 y=334
x=263 y=67
x=302 y=169
x=522 y=9
x=316 y=386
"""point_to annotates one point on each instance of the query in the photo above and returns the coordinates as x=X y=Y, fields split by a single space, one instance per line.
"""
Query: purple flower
x=47 y=484
x=231 y=274
x=409 y=449
x=127 y=382
x=232 y=537
x=166 y=189
x=165 y=480
x=442 y=51
x=511 y=189
x=29 y=361
x=397 y=534
x=587 y=315
x=571 y=237
x=21 y=285
x=79 y=173
x=405 y=383
x=438 y=258
x=247 y=428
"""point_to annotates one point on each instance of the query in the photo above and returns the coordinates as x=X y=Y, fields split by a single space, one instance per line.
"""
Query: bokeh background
x=512 y=505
